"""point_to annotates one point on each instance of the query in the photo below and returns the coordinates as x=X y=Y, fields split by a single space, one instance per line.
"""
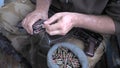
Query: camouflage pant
x=10 y=14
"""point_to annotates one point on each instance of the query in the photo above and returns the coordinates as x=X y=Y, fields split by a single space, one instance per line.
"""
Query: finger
x=24 y=24
x=57 y=32
x=28 y=22
x=30 y=28
x=53 y=19
x=53 y=27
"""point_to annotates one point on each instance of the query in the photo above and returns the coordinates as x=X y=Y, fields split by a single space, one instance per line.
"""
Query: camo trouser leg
x=13 y=12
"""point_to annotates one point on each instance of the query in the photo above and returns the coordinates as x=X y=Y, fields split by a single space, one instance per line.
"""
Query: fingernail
x=45 y=22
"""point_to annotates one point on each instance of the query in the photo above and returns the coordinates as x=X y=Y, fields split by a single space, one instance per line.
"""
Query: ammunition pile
x=64 y=58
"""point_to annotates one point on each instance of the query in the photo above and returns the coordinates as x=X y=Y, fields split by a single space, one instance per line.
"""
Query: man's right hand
x=31 y=18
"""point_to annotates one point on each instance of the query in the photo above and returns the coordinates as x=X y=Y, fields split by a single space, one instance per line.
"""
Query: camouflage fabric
x=10 y=15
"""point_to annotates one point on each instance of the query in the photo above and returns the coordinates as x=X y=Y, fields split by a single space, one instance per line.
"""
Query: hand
x=32 y=18
x=60 y=23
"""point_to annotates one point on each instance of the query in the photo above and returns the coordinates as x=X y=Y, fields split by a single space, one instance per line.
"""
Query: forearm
x=43 y=5
x=101 y=24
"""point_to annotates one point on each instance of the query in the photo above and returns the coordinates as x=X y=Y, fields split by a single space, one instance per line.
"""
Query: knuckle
x=63 y=32
x=57 y=14
x=29 y=25
x=23 y=24
x=48 y=29
x=50 y=33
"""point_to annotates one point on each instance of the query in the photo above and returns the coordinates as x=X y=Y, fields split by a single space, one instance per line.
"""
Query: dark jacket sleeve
x=113 y=10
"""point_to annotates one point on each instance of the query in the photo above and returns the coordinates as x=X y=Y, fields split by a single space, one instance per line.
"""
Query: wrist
x=43 y=5
x=78 y=20
x=39 y=12
x=81 y=20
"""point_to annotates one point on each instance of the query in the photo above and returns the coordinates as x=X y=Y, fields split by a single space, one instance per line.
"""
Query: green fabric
x=113 y=10
x=10 y=15
x=97 y=7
